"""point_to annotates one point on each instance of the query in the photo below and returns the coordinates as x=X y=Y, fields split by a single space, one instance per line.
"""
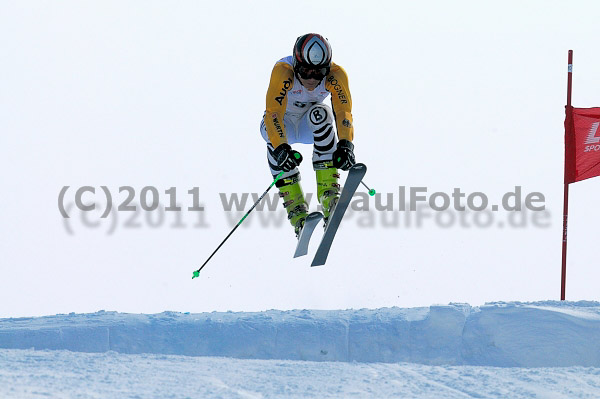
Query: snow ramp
x=513 y=334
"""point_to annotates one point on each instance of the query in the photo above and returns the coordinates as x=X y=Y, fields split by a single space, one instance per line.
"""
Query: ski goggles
x=312 y=73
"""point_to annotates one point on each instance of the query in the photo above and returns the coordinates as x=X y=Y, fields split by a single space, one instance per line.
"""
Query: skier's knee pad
x=320 y=120
x=319 y=115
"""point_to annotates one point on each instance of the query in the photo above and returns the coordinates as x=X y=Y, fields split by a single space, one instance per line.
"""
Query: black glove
x=343 y=156
x=287 y=159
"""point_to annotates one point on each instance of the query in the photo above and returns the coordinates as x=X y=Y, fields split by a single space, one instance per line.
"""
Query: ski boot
x=293 y=201
x=328 y=189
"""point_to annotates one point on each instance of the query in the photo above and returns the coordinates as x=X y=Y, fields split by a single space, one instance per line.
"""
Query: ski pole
x=372 y=192
x=197 y=272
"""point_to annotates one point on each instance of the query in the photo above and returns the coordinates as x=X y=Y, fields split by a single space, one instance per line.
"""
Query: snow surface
x=500 y=350
x=542 y=334
x=26 y=374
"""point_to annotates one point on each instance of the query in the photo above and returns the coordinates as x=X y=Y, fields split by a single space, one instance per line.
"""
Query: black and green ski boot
x=293 y=201
x=328 y=189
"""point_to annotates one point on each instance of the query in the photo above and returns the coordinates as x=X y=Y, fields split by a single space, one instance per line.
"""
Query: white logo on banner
x=592 y=139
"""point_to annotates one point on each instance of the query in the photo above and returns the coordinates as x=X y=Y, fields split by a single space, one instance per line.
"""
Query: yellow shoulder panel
x=337 y=85
x=282 y=80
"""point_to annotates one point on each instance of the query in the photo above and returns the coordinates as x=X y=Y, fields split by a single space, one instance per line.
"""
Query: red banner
x=582 y=144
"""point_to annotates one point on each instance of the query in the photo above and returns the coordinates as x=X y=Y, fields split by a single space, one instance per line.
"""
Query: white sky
x=170 y=94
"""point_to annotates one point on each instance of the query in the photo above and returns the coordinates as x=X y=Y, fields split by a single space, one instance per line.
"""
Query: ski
x=312 y=220
x=355 y=176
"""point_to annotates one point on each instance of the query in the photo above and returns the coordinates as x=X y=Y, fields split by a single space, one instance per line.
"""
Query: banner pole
x=568 y=135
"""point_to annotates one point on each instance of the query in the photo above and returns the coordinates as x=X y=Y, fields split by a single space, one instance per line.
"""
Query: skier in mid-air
x=295 y=113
